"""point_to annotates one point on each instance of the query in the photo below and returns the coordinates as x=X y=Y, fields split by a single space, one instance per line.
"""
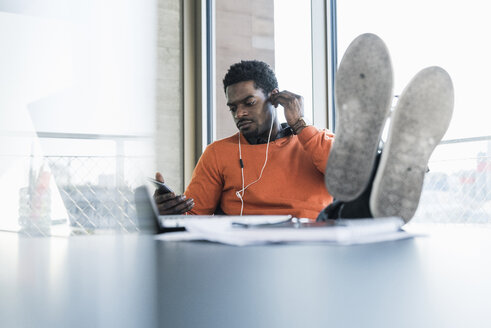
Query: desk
x=135 y=281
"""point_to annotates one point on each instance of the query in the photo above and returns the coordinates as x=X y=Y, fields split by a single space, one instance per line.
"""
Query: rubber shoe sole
x=418 y=123
x=363 y=95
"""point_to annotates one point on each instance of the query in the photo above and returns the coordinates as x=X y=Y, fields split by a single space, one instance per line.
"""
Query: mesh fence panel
x=462 y=196
x=97 y=193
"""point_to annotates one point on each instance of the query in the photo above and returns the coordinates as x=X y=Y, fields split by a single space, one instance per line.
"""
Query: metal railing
x=459 y=190
x=96 y=191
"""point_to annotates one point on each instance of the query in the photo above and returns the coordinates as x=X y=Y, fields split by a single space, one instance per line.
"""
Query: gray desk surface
x=134 y=281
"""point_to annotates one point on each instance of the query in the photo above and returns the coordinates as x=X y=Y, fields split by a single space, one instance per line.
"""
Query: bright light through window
x=453 y=35
x=293 y=61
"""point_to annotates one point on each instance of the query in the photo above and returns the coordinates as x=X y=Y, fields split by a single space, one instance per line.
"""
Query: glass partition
x=76 y=113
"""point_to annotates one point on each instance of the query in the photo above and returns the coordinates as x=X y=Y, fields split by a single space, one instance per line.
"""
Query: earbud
x=273 y=92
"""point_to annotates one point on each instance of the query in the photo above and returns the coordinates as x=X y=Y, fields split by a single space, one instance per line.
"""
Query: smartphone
x=162 y=188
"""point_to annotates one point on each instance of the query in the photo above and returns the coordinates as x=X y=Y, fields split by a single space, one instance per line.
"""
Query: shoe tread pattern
x=418 y=123
x=363 y=91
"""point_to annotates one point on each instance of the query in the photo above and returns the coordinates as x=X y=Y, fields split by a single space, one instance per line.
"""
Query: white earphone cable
x=240 y=193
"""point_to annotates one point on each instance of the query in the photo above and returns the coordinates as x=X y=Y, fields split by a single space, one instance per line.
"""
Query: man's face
x=250 y=108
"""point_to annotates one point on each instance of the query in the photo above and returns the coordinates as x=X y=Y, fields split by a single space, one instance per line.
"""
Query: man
x=364 y=180
x=266 y=168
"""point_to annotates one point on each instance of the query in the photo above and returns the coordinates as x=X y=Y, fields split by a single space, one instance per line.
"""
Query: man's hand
x=169 y=203
x=292 y=103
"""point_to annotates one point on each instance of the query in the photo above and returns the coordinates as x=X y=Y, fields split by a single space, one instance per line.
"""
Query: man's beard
x=256 y=137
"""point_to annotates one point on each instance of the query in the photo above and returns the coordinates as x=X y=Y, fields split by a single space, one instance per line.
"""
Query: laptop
x=149 y=220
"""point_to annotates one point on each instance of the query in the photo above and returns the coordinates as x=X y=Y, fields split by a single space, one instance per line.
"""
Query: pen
x=289 y=223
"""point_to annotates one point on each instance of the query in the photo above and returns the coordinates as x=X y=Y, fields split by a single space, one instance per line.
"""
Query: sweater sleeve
x=206 y=184
x=318 y=144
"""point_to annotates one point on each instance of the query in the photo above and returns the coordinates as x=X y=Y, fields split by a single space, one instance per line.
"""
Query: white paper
x=359 y=231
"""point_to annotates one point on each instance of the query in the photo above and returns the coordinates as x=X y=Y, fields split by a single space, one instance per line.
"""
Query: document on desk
x=342 y=232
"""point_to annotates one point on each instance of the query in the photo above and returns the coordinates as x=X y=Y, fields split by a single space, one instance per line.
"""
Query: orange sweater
x=292 y=181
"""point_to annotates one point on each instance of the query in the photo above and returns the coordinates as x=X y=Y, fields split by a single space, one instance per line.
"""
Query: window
x=452 y=35
x=262 y=30
x=293 y=50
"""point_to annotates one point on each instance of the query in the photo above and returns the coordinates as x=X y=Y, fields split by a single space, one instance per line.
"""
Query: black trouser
x=355 y=209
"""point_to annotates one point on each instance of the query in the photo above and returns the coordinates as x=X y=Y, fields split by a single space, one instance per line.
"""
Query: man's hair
x=251 y=70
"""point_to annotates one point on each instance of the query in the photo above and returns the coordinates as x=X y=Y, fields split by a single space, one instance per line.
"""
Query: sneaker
x=418 y=123
x=363 y=95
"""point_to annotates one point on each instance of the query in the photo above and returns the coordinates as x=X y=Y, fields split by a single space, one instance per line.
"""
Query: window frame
x=323 y=46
